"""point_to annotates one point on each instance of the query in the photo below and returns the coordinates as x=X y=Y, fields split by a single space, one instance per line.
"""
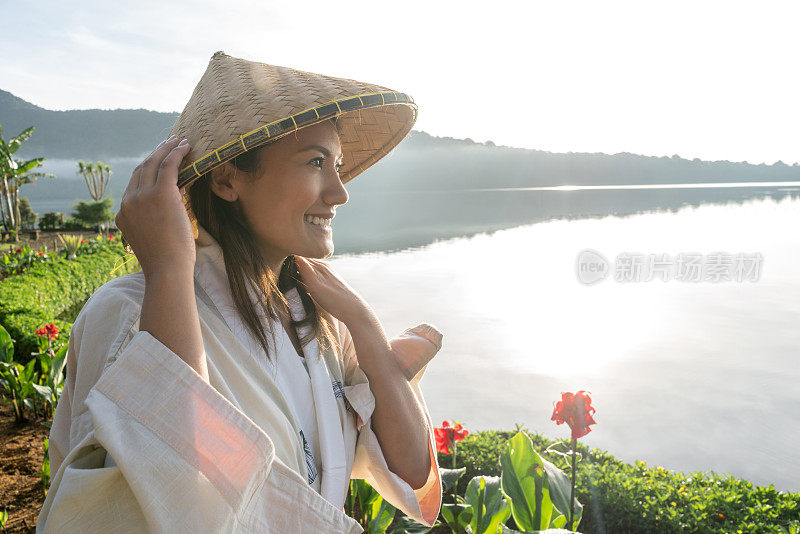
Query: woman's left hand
x=329 y=290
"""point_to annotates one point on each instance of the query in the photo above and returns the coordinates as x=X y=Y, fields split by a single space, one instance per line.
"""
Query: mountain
x=83 y=133
x=420 y=162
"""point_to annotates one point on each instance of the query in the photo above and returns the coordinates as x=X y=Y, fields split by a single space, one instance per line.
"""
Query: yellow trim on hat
x=185 y=178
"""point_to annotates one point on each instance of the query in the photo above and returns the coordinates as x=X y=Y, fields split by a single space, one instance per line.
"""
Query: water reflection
x=691 y=376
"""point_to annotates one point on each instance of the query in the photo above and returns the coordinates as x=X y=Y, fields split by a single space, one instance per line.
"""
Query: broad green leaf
x=382 y=515
x=456 y=516
x=6 y=346
x=450 y=477
x=560 y=487
x=490 y=507
x=558 y=521
x=525 y=483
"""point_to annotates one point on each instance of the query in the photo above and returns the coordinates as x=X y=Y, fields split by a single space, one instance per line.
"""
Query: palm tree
x=97 y=176
x=15 y=173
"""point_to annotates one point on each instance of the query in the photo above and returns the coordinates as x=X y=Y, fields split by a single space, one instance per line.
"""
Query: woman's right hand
x=152 y=216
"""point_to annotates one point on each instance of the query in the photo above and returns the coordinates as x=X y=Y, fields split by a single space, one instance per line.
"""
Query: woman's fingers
x=168 y=169
x=152 y=163
x=133 y=184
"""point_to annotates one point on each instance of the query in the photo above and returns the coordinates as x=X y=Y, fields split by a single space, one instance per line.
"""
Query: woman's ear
x=222 y=182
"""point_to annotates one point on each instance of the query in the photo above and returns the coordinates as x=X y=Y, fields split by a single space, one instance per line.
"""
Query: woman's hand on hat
x=152 y=216
x=330 y=291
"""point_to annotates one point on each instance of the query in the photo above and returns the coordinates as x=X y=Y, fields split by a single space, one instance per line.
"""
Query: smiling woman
x=259 y=208
x=237 y=383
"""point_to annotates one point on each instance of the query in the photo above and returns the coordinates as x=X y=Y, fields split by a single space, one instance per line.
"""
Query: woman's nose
x=335 y=194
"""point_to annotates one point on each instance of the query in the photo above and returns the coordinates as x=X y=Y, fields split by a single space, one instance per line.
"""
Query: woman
x=218 y=390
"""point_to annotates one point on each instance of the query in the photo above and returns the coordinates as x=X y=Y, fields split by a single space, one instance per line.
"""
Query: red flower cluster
x=50 y=331
x=19 y=250
x=41 y=253
x=576 y=410
x=447 y=436
x=110 y=237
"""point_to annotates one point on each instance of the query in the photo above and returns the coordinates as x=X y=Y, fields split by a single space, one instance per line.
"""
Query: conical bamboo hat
x=239 y=105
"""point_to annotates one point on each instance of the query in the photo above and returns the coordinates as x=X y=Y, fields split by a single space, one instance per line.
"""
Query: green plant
x=14 y=174
x=97 y=176
x=490 y=508
x=26 y=215
x=539 y=491
x=52 y=221
x=94 y=245
x=376 y=513
x=54 y=292
x=16 y=262
x=51 y=378
x=93 y=214
x=16 y=378
x=75 y=224
x=71 y=244
x=44 y=472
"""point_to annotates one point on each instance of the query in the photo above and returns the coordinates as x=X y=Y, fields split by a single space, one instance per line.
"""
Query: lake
x=689 y=375
x=686 y=375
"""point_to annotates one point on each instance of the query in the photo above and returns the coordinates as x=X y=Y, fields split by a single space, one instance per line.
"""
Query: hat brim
x=370 y=126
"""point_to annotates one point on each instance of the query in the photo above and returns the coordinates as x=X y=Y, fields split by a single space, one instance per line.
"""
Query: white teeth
x=319 y=221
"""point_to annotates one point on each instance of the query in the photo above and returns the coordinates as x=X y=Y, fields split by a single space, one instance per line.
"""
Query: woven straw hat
x=239 y=105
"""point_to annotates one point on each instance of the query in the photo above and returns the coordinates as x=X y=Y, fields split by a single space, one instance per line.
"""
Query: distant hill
x=421 y=162
x=84 y=133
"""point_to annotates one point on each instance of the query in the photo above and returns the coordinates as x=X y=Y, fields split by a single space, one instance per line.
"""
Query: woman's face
x=298 y=177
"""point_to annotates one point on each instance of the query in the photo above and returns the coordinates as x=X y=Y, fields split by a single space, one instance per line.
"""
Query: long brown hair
x=245 y=265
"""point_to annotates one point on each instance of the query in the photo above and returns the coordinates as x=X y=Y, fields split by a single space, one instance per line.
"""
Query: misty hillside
x=421 y=161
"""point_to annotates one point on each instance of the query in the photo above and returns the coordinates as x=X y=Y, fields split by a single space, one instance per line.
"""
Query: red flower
x=110 y=237
x=49 y=330
x=19 y=250
x=447 y=436
x=82 y=241
x=41 y=253
x=576 y=410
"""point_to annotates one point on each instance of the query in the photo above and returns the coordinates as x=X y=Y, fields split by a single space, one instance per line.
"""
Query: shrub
x=27 y=217
x=51 y=292
x=52 y=221
x=92 y=214
x=636 y=498
x=17 y=261
x=76 y=224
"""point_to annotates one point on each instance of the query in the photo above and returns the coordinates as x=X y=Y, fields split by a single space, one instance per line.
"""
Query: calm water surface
x=687 y=375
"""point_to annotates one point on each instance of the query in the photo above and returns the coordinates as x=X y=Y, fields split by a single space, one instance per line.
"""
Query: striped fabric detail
x=312 y=469
x=338 y=391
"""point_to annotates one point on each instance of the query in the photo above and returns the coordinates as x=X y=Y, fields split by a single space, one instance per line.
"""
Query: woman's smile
x=319 y=225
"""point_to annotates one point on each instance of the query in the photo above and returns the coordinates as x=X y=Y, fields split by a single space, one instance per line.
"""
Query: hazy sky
x=714 y=80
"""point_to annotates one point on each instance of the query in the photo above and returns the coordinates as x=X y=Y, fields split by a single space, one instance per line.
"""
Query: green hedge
x=55 y=291
x=620 y=497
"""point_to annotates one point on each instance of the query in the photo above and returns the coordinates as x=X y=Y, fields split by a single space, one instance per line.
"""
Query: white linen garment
x=141 y=443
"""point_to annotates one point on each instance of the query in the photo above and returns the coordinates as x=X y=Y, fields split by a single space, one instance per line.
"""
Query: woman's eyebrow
x=321 y=148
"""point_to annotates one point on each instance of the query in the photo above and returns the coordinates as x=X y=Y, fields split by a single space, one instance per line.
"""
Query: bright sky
x=714 y=80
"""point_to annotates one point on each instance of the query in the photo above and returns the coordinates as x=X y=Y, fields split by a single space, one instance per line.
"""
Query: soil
x=22 y=449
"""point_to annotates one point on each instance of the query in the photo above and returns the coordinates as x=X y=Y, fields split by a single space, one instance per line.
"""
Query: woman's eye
x=320 y=161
